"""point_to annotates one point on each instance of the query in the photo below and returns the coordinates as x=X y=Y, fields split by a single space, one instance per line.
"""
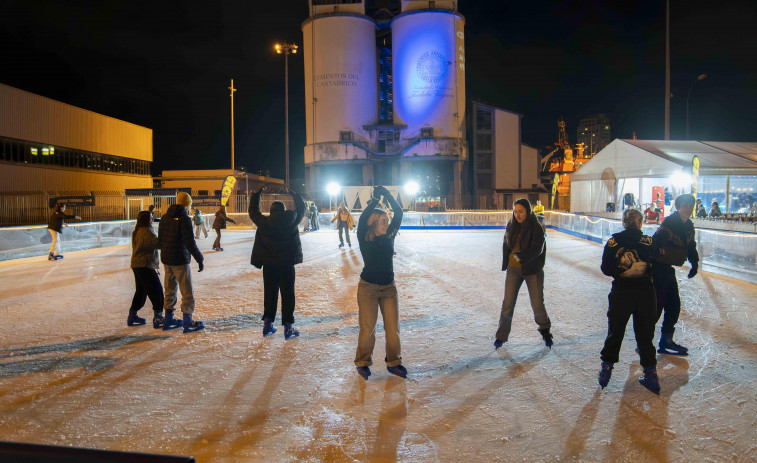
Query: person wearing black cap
x=277 y=249
x=675 y=241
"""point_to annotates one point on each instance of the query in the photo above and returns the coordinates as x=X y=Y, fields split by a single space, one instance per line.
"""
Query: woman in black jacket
x=55 y=227
x=219 y=224
x=144 y=264
x=523 y=254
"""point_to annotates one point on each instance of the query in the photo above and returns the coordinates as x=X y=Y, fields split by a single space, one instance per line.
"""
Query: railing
x=730 y=253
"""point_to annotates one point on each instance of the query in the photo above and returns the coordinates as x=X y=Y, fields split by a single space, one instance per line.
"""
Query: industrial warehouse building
x=46 y=145
x=385 y=95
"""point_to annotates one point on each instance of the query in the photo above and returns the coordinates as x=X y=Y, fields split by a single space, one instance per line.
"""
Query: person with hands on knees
x=524 y=252
x=376 y=289
x=277 y=249
x=675 y=242
x=627 y=258
x=177 y=246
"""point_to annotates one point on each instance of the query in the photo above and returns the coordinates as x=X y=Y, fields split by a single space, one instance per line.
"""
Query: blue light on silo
x=424 y=68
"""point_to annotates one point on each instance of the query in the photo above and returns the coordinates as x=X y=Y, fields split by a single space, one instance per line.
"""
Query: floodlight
x=333 y=188
x=411 y=188
x=680 y=179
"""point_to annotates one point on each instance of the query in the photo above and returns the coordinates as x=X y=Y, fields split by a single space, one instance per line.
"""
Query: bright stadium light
x=333 y=188
x=411 y=188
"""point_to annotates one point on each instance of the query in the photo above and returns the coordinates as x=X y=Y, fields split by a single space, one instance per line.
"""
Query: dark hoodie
x=622 y=251
x=176 y=239
x=277 y=239
x=533 y=248
x=56 y=220
x=675 y=233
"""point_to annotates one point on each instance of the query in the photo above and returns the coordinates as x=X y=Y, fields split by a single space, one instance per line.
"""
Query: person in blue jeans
x=523 y=255
x=376 y=289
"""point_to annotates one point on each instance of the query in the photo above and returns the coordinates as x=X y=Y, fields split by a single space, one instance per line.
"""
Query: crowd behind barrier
x=726 y=252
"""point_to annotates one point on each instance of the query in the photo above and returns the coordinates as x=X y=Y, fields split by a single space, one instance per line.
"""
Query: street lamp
x=286 y=49
x=412 y=188
x=700 y=77
x=333 y=189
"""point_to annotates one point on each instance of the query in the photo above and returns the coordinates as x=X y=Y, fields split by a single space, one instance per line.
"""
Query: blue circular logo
x=432 y=67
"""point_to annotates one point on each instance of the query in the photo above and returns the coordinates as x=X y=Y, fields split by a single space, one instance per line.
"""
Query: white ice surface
x=72 y=372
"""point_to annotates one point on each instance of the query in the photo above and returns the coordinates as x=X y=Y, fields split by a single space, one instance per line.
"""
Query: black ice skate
x=667 y=346
x=547 y=336
x=650 y=381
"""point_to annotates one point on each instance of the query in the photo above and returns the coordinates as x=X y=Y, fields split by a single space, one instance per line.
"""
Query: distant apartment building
x=504 y=169
x=594 y=132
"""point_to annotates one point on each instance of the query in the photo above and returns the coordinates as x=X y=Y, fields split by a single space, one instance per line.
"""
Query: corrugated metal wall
x=26 y=116
x=41 y=178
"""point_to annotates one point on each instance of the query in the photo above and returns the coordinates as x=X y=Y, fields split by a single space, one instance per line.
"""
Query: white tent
x=635 y=166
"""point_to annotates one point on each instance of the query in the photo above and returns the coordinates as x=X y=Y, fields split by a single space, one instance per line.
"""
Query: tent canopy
x=657 y=158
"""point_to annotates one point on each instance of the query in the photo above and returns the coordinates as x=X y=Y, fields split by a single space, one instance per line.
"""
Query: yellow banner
x=694 y=181
x=554 y=189
x=227 y=189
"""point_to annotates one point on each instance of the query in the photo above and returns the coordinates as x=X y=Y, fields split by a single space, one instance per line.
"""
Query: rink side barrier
x=728 y=253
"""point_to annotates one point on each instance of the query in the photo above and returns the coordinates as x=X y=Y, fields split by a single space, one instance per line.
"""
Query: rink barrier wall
x=724 y=252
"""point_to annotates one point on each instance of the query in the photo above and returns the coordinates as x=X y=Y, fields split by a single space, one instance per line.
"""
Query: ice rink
x=72 y=373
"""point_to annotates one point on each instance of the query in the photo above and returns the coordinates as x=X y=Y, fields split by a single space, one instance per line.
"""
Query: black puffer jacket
x=176 y=239
x=56 y=221
x=220 y=220
x=277 y=239
x=533 y=247
x=675 y=233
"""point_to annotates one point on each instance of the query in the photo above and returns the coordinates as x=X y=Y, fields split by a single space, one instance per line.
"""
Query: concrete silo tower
x=385 y=94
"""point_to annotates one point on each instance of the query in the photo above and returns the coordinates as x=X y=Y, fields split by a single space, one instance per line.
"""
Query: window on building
x=483 y=142
x=427 y=132
x=484 y=161
x=483 y=120
x=202 y=192
x=484 y=181
x=218 y=193
x=346 y=135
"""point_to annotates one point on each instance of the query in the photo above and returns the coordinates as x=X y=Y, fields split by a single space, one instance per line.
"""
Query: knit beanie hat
x=183 y=199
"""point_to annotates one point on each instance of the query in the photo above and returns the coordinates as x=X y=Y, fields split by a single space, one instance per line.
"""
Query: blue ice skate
x=365 y=372
x=170 y=323
x=667 y=346
x=290 y=331
x=605 y=373
x=268 y=328
x=498 y=343
x=134 y=319
x=191 y=325
x=547 y=336
x=398 y=370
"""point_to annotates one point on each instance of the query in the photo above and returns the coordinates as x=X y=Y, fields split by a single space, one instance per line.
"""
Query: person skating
x=55 y=227
x=219 y=224
x=344 y=222
x=144 y=265
x=539 y=211
x=177 y=247
x=199 y=222
x=313 y=216
x=675 y=242
x=523 y=255
x=277 y=249
x=376 y=289
x=627 y=258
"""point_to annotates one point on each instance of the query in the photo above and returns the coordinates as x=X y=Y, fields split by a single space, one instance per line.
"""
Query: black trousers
x=278 y=278
x=217 y=242
x=668 y=299
x=640 y=303
x=148 y=285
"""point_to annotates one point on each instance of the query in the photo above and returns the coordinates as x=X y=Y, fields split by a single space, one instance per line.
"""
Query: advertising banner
x=227 y=189
x=554 y=190
x=694 y=180
x=73 y=200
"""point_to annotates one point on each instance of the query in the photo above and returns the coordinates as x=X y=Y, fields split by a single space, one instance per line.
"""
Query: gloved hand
x=201 y=267
x=693 y=271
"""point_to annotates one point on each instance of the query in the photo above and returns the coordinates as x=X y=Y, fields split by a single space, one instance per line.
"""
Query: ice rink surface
x=72 y=372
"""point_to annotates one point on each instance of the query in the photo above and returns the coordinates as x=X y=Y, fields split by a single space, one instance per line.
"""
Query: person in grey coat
x=144 y=265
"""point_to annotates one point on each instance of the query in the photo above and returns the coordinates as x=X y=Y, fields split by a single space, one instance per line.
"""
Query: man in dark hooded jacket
x=277 y=250
x=177 y=245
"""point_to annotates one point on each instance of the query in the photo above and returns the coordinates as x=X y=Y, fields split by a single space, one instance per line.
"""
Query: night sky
x=167 y=65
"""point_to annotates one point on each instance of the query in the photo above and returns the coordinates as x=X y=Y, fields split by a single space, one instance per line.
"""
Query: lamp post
x=700 y=77
x=232 y=125
x=286 y=49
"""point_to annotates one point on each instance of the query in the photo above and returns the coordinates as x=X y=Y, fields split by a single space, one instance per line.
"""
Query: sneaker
x=605 y=373
x=290 y=331
x=498 y=343
x=650 y=380
x=191 y=325
x=268 y=328
x=398 y=370
x=170 y=323
x=134 y=319
x=365 y=372
x=547 y=336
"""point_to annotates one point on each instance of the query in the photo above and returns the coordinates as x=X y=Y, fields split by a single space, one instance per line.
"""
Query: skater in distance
x=55 y=227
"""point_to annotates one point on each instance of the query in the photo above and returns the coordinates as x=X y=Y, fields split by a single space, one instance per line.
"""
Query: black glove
x=201 y=266
x=693 y=271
